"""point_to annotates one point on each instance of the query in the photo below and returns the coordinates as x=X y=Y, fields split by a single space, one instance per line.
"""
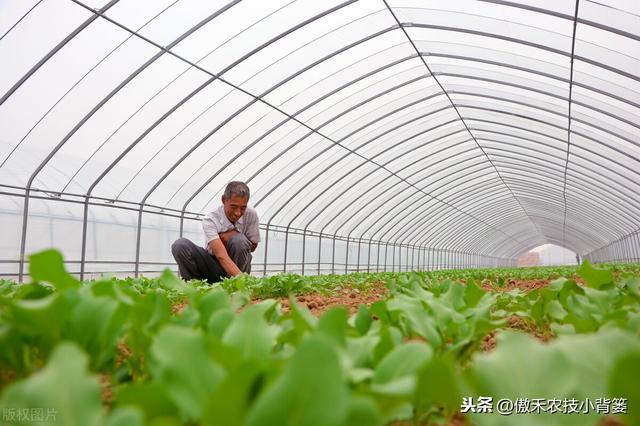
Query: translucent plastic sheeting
x=11 y=220
x=488 y=126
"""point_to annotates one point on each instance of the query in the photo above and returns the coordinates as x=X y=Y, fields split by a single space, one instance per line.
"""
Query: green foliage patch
x=225 y=359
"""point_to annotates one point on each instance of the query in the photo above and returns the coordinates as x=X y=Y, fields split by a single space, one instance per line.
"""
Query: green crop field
x=443 y=347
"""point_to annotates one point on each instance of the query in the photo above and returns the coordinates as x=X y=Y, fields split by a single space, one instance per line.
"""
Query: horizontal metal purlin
x=273 y=228
x=411 y=41
x=200 y=68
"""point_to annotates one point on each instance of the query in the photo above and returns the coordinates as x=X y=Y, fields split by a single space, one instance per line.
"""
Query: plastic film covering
x=374 y=134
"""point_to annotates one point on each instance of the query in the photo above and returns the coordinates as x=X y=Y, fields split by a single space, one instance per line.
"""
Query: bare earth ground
x=515 y=322
x=348 y=297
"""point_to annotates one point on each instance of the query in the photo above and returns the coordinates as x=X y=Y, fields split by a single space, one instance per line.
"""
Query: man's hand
x=218 y=249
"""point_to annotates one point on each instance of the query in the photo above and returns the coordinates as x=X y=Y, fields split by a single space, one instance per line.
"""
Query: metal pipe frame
x=100 y=13
x=457 y=111
x=100 y=105
x=600 y=111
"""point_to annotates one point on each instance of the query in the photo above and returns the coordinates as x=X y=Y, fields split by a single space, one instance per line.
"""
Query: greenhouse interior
x=391 y=141
x=373 y=135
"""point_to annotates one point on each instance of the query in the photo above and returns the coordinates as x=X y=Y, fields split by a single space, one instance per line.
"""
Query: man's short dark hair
x=237 y=188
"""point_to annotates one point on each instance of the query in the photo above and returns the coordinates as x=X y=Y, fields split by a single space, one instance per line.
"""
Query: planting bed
x=362 y=349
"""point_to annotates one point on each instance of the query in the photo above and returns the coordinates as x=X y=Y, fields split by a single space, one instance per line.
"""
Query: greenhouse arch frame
x=374 y=134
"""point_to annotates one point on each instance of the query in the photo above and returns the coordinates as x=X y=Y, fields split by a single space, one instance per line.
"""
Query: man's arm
x=224 y=236
x=220 y=252
x=253 y=229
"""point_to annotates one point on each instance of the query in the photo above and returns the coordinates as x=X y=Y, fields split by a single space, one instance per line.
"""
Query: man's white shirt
x=217 y=222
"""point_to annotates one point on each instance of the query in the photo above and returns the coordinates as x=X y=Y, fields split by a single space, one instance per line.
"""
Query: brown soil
x=107 y=388
x=123 y=353
x=317 y=303
x=524 y=285
x=178 y=307
x=352 y=297
x=611 y=421
x=7 y=376
x=543 y=334
x=348 y=297
x=458 y=419
x=517 y=323
x=489 y=342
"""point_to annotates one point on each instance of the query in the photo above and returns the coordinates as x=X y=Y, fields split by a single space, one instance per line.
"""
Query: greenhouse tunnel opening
x=548 y=255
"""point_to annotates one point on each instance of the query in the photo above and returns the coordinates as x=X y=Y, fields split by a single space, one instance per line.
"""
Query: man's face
x=234 y=207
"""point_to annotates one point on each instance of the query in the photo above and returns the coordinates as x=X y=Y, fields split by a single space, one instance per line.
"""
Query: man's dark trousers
x=196 y=263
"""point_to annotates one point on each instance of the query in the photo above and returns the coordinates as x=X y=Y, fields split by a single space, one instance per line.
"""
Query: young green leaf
x=363 y=320
x=68 y=394
x=48 y=266
x=311 y=391
x=180 y=361
x=594 y=277
x=250 y=333
x=404 y=360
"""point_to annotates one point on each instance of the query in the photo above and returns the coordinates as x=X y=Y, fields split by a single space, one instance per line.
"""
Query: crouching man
x=231 y=235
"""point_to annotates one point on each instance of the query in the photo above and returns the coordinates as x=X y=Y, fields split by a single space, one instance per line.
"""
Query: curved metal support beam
x=201 y=87
x=587 y=159
x=564 y=16
x=584 y=59
x=391 y=199
x=549 y=137
x=371 y=189
x=261 y=99
x=590 y=124
x=393 y=214
x=352 y=170
x=594 y=223
x=309 y=181
x=55 y=50
x=97 y=107
x=558 y=78
x=549 y=123
x=499 y=247
x=415 y=213
x=599 y=182
x=455 y=238
x=500 y=215
x=487 y=194
x=622 y=212
x=535 y=72
x=349 y=152
x=457 y=111
x=621 y=209
x=522 y=87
